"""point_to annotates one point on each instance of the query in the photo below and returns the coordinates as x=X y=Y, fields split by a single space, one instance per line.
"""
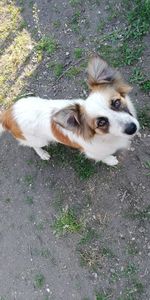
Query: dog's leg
x=110 y=160
x=42 y=153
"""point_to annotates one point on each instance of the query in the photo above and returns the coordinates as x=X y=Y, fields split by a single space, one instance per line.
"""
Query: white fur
x=33 y=115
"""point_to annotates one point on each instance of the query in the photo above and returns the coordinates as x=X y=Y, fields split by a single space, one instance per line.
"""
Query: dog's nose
x=130 y=129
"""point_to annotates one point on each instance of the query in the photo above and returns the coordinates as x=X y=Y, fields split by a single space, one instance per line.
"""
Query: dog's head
x=107 y=110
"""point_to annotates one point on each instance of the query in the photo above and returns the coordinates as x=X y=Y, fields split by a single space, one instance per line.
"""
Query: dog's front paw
x=110 y=160
x=44 y=155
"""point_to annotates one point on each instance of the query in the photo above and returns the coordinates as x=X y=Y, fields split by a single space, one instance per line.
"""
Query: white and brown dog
x=98 y=126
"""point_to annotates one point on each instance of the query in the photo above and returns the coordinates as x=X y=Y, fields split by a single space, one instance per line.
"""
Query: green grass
x=132 y=248
x=137 y=76
x=7 y=200
x=129 y=272
x=78 y=53
x=147 y=166
x=67 y=222
x=107 y=252
x=47 y=44
x=101 y=296
x=75 y=2
x=145 y=86
x=28 y=179
x=74 y=22
x=39 y=280
x=57 y=24
x=29 y=200
x=144 y=117
x=39 y=226
x=73 y=72
x=133 y=292
x=101 y=26
x=88 y=236
x=58 y=69
x=138 y=19
x=64 y=156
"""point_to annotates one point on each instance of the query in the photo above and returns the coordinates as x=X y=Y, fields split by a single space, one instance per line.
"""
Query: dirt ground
x=70 y=228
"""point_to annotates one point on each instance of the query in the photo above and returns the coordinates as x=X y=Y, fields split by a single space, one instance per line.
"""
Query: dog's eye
x=116 y=103
x=102 y=121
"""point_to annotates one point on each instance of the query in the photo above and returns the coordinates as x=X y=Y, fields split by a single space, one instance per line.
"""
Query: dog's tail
x=2 y=128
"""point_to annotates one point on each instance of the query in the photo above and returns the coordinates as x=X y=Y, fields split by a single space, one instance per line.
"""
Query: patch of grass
x=137 y=76
x=132 y=248
x=57 y=24
x=129 y=54
x=83 y=167
x=73 y=72
x=145 y=86
x=39 y=280
x=133 y=292
x=23 y=24
x=147 y=166
x=100 y=26
x=101 y=296
x=107 y=252
x=88 y=236
x=129 y=270
x=58 y=69
x=63 y=156
x=39 y=226
x=75 y=22
x=47 y=44
x=7 y=200
x=78 y=53
x=28 y=179
x=75 y=2
x=67 y=222
x=90 y=258
x=144 y=117
x=138 y=18
x=29 y=200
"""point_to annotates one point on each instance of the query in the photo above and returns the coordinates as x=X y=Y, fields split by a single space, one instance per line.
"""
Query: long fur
x=36 y=122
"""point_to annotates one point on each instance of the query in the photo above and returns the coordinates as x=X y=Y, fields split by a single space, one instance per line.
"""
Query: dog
x=98 y=126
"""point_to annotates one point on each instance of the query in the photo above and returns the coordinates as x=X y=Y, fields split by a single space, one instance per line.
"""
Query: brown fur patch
x=10 y=124
x=62 y=138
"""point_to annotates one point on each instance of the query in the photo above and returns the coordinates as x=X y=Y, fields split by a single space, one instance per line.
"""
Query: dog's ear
x=73 y=119
x=68 y=118
x=99 y=72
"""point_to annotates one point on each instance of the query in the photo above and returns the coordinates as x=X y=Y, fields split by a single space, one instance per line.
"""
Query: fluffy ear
x=99 y=72
x=73 y=119
x=68 y=118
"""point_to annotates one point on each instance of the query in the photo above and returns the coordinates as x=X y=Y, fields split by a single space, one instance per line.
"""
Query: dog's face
x=107 y=110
